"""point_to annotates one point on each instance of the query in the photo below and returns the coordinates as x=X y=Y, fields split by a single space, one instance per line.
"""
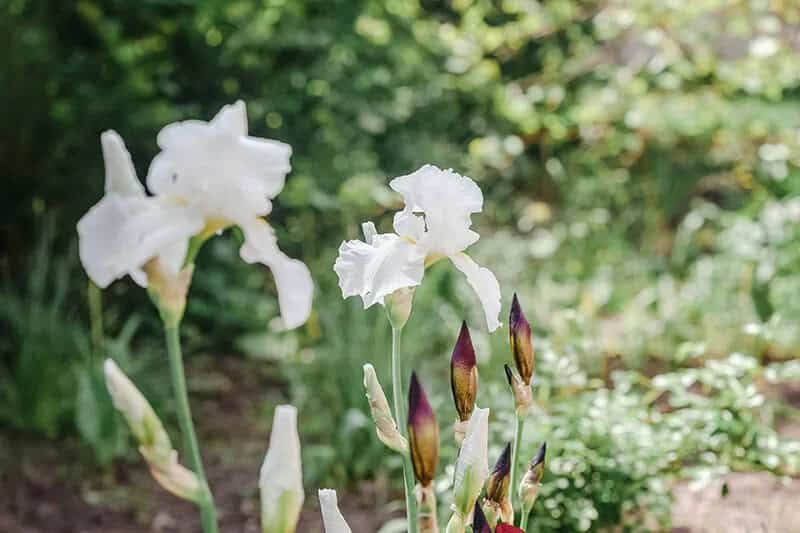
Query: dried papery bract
x=496 y=503
x=523 y=395
x=423 y=440
x=281 y=479
x=472 y=469
x=332 y=518
x=463 y=380
x=154 y=443
x=385 y=425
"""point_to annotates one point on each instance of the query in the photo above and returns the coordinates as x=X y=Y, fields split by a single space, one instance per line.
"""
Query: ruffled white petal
x=447 y=200
x=282 y=471
x=373 y=271
x=485 y=285
x=121 y=233
x=332 y=518
x=292 y=277
x=218 y=168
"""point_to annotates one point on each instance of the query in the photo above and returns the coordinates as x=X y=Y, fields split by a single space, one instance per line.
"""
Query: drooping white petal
x=120 y=172
x=446 y=199
x=373 y=271
x=485 y=285
x=292 y=278
x=281 y=478
x=472 y=465
x=122 y=232
x=217 y=167
x=332 y=518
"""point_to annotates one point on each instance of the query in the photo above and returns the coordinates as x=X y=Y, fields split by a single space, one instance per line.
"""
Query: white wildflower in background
x=434 y=224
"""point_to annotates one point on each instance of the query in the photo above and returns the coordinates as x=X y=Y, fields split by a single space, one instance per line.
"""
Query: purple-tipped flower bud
x=497 y=484
x=423 y=433
x=529 y=485
x=519 y=331
x=464 y=374
x=479 y=523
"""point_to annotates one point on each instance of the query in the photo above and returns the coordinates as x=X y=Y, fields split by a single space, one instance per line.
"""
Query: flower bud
x=281 y=479
x=332 y=518
x=519 y=331
x=423 y=433
x=472 y=465
x=479 y=523
x=497 y=504
x=464 y=374
x=497 y=484
x=154 y=442
x=529 y=485
x=385 y=425
x=523 y=396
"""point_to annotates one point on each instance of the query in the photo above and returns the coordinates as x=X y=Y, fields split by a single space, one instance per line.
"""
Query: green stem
x=208 y=513
x=400 y=415
x=519 y=422
x=523 y=522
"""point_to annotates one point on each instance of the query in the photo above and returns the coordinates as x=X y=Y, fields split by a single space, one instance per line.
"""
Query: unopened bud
x=385 y=425
x=523 y=395
x=519 y=331
x=423 y=433
x=154 y=443
x=281 y=479
x=497 y=504
x=529 y=485
x=464 y=374
x=507 y=528
x=332 y=518
x=479 y=523
x=398 y=306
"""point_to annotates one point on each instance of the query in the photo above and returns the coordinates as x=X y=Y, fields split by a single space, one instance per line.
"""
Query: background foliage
x=640 y=165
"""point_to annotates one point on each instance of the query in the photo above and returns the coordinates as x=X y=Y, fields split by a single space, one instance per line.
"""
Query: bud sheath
x=385 y=425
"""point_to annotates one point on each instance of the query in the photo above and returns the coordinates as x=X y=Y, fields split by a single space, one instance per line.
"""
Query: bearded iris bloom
x=434 y=224
x=208 y=176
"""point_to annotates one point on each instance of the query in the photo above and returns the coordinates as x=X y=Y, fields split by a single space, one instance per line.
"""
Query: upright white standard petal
x=485 y=285
x=446 y=199
x=332 y=518
x=281 y=479
x=126 y=229
x=472 y=466
x=292 y=277
x=374 y=271
x=217 y=167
